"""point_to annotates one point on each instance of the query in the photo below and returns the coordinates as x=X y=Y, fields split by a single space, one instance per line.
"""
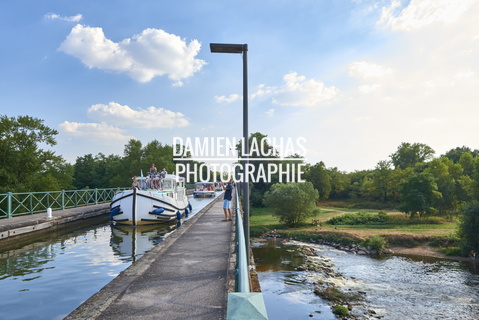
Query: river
x=395 y=287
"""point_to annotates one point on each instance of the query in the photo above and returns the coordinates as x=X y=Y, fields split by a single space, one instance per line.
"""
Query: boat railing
x=243 y=304
x=25 y=203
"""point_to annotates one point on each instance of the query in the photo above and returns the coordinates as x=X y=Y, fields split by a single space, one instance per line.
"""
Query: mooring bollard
x=49 y=213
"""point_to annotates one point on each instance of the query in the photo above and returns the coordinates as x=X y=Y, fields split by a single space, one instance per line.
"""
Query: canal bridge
x=198 y=272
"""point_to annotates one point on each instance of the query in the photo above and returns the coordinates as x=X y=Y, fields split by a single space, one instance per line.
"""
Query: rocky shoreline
x=345 y=304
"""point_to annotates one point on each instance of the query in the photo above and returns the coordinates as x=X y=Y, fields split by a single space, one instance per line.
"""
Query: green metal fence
x=17 y=204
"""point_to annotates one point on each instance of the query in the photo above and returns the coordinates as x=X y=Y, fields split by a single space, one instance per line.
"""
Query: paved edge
x=21 y=225
x=96 y=304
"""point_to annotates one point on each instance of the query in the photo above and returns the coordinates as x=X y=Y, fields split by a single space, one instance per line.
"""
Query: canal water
x=395 y=287
x=48 y=275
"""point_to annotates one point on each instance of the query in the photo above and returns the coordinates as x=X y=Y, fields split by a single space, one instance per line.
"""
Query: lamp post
x=241 y=48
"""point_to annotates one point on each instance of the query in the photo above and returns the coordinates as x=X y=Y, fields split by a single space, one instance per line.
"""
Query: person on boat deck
x=153 y=170
x=163 y=173
x=162 y=176
x=135 y=184
x=227 y=200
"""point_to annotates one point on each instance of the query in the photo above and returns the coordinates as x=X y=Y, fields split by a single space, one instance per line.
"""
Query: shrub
x=451 y=251
x=340 y=310
x=361 y=217
x=292 y=202
x=376 y=243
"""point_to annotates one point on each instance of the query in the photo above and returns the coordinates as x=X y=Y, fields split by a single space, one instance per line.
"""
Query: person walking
x=227 y=200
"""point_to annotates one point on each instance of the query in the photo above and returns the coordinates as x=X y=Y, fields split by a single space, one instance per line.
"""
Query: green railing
x=18 y=204
x=243 y=304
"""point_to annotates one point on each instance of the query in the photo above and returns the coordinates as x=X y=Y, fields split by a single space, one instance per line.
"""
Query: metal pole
x=246 y=149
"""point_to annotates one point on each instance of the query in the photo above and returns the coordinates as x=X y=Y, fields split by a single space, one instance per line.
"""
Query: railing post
x=9 y=204
x=96 y=195
x=63 y=199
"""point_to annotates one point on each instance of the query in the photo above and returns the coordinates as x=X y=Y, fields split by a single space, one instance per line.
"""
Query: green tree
x=469 y=226
x=340 y=182
x=447 y=176
x=408 y=155
x=132 y=158
x=292 y=202
x=417 y=194
x=21 y=157
x=382 y=179
x=318 y=175
x=259 y=148
x=456 y=153
x=85 y=172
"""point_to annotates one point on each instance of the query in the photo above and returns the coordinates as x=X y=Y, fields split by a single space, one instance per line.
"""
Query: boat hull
x=143 y=207
x=204 y=194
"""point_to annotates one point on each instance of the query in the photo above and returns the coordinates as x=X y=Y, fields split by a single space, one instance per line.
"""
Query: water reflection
x=131 y=242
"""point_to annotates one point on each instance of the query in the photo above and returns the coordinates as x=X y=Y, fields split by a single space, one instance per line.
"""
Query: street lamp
x=241 y=48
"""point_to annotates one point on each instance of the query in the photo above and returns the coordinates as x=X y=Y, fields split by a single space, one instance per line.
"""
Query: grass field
x=399 y=228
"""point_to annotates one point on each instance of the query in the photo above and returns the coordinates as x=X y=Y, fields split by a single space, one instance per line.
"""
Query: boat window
x=167 y=184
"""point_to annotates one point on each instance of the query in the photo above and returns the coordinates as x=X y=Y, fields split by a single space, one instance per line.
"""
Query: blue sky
x=354 y=78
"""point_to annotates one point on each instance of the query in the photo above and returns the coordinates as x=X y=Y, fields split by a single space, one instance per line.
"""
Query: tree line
x=411 y=179
x=25 y=166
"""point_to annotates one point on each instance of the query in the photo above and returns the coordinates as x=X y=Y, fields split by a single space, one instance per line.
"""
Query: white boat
x=144 y=205
x=204 y=189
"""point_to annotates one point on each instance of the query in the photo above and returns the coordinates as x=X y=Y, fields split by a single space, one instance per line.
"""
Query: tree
x=447 y=176
x=382 y=179
x=318 y=175
x=21 y=157
x=340 y=181
x=469 y=226
x=85 y=172
x=292 y=202
x=259 y=148
x=132 y=158
x=456 y=153
x=408 y=155
x=417 y=194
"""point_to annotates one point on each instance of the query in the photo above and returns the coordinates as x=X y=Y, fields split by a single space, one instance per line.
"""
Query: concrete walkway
x=184 y=277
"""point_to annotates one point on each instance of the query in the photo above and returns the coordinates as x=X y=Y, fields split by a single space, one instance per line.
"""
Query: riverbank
x=421 y=239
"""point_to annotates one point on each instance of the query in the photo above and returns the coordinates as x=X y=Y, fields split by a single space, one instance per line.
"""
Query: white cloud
x=54 y=16
x=152 y=53
x=231 y=98
x=151 y=117
x=363 y=69
x=369 y=88
x=418 y=85
x=270 y=112
x=262 y=90
x=421 y=13
x=299 y=91
x=99 y=132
